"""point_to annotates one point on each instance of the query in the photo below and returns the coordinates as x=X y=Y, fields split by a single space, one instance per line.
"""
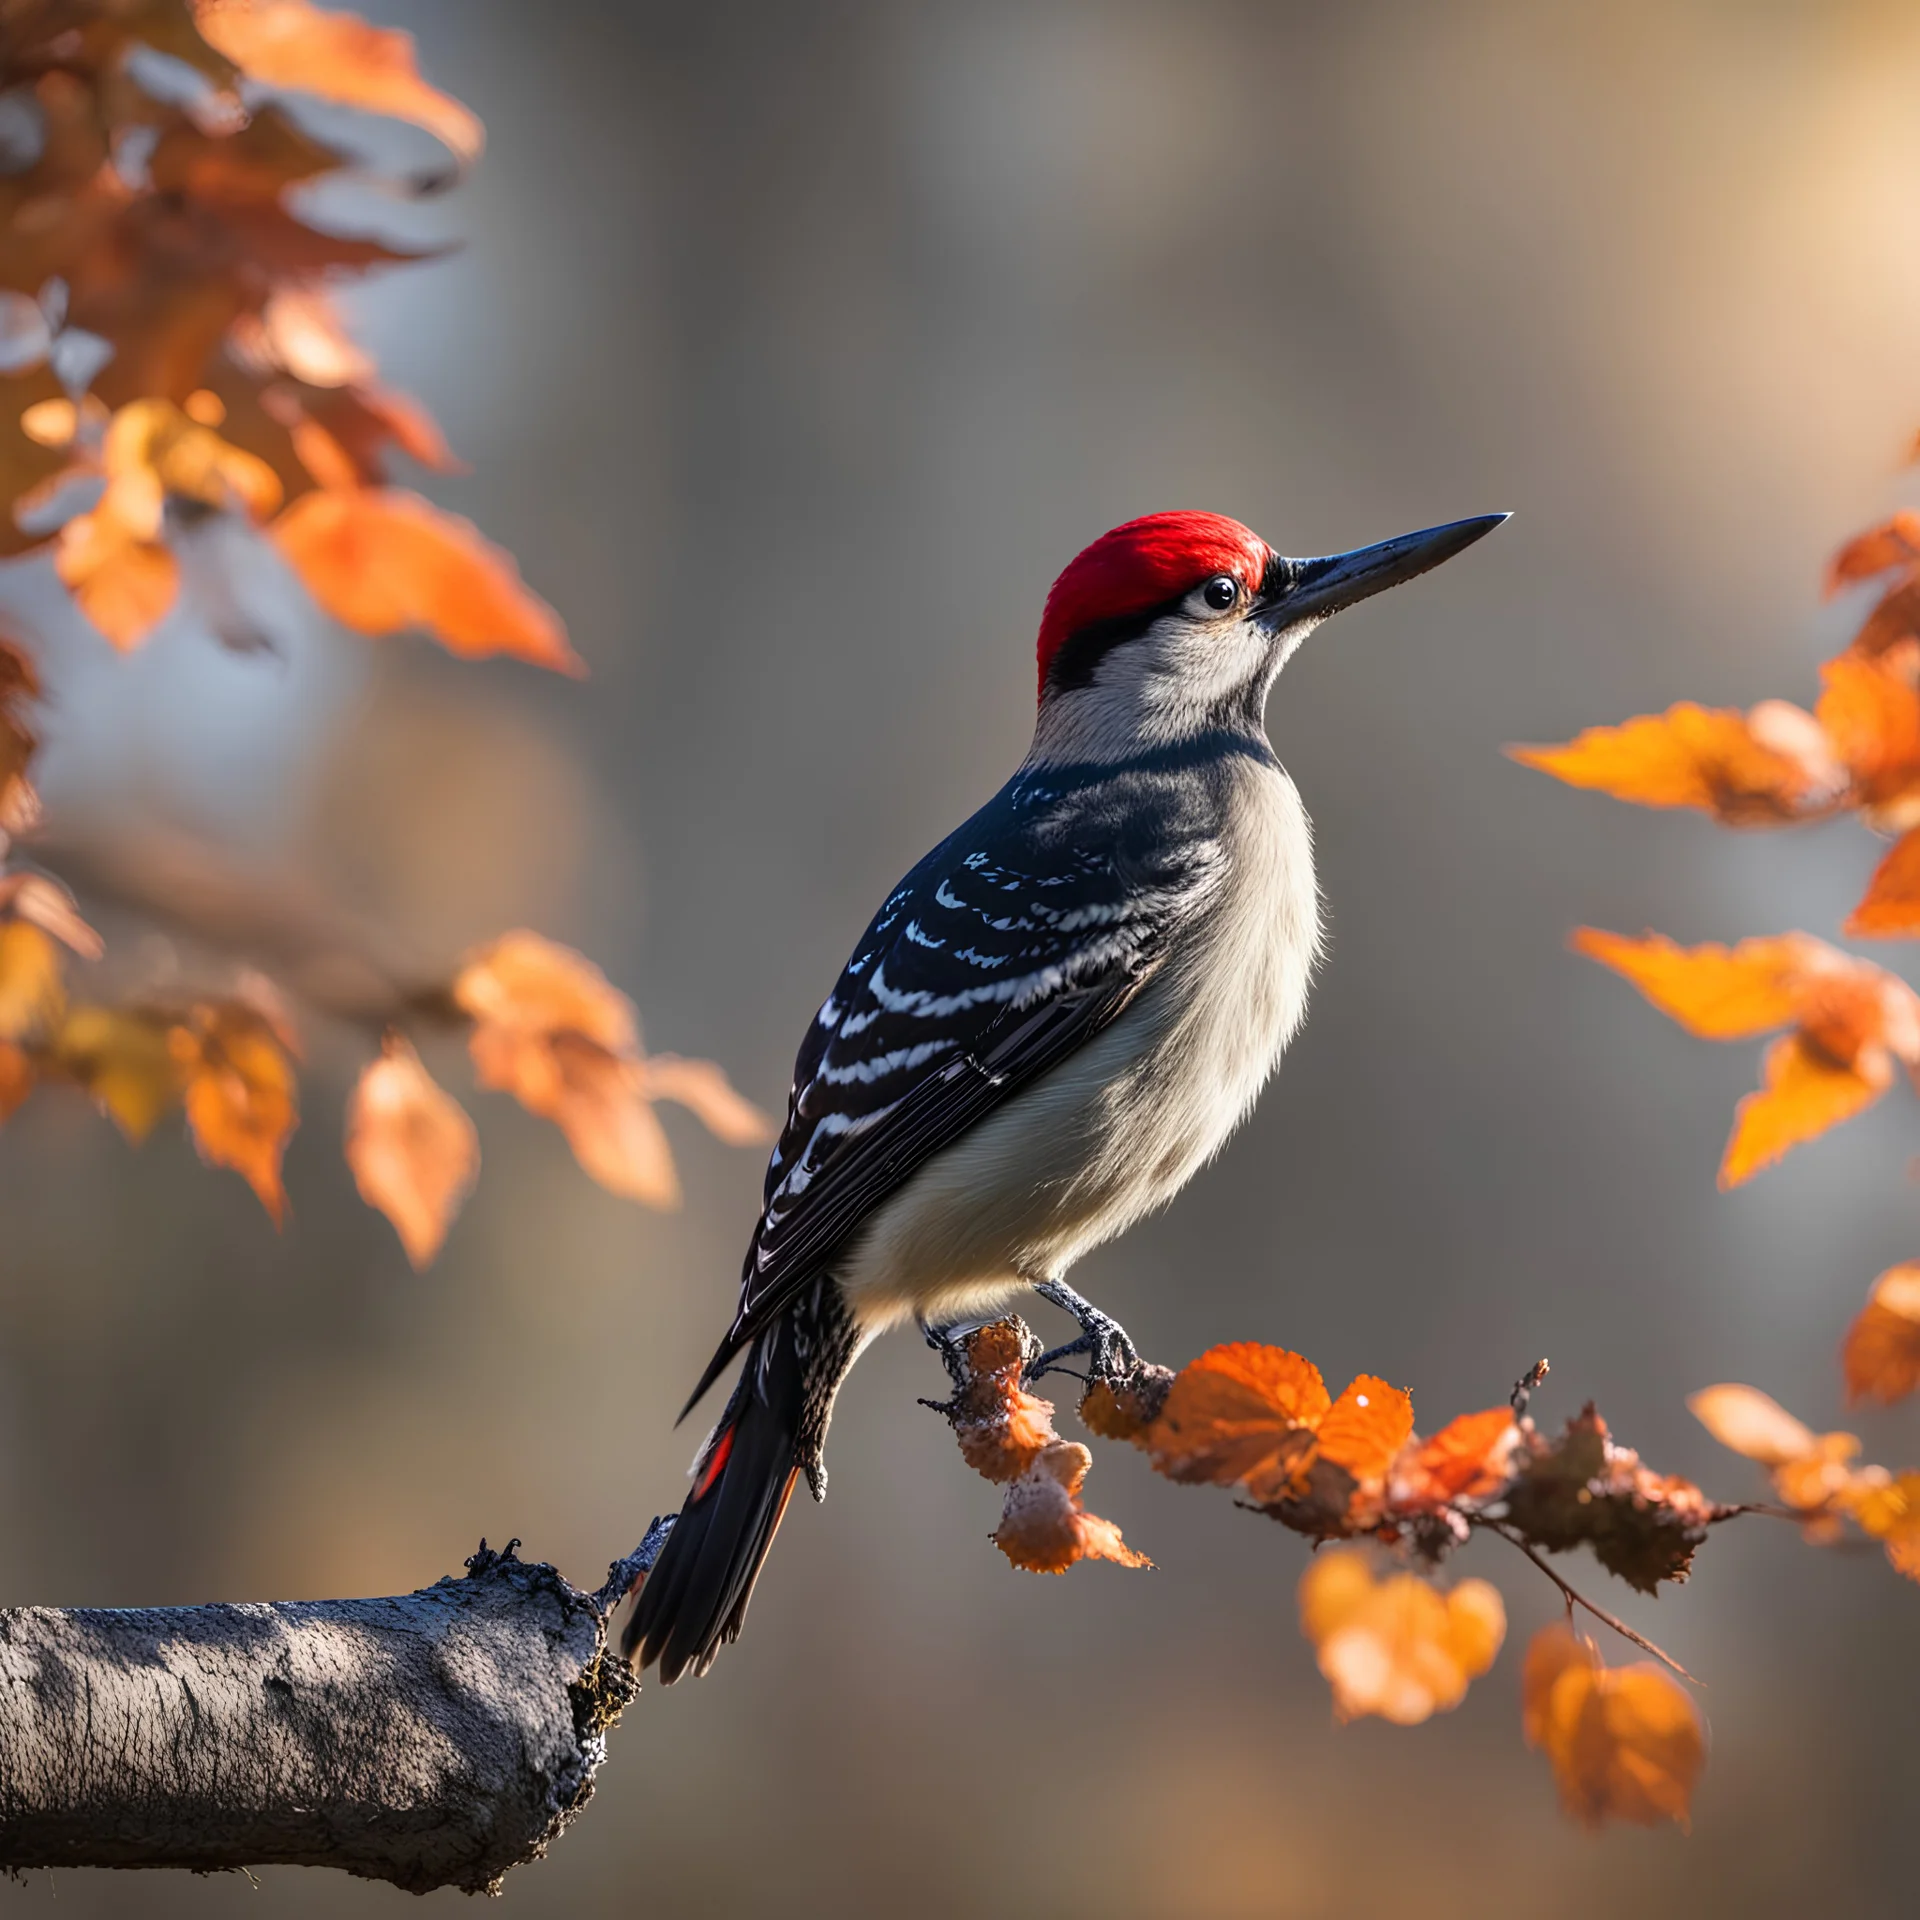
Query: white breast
x=1119 y=1128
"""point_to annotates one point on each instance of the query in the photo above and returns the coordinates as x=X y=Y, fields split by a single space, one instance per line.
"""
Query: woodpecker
x=1049 y=1026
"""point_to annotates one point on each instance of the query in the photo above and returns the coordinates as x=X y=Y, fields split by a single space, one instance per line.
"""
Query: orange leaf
x=381 y=560
x=32 y=993
x=535 y=985
x=1810 y=1470
x=1871 y=712
x=1715 y=992
x=1890 y=907
x=1752 y=1423
x=1894 y=543
x=239 y=1096
x=613 y=1132
x=1366 y=1427
x=1805 y=1093
x=550 y=1030
x=16 y=1079
x=1468 y=1458
x=701 y=1087
x=1888 y=1510
x=1894 y=621
x=124 y=583
x=1396 y=1647
x=1043 y=1528
x=1718 y=760
x=1242 y=1412
x=1002 y=1429
x=1625 y=1743
x=303 y=332
x=413 y=1150
x=1881 y=1354
x=338 y=57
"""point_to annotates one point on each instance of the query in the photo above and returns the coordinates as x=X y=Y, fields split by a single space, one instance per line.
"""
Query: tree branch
x=432 y=1739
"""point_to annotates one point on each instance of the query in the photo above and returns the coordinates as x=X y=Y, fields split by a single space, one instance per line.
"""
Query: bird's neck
x=1119 y=723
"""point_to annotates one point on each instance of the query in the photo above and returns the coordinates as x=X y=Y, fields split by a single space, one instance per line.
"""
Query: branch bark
x=431 y=1739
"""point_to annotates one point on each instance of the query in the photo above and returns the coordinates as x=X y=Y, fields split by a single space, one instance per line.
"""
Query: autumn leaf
x=1881 y=1353
x=1716 y=992
x=336 y=56
x=380 y=560
x=1751 y=769
x=1625 y=1743
x=1810 y=1471
x=1260 y=1418
x=1752 y=1423
x=1804 y=1093
x=156 y=450
x=1364 y=1430
x=124 y=581
x=1894 y=622
x=125 y=1059
x=1006 y=1434
x=598 y=1103
x=1043 y=1527
x=1894 y=543
x=1468 y=1459
x=1240 y=1414
x=1890 y=907
x=414 y=1152
x=1870 y=709
x=528 y=985
x=1124 y=1410
x=252 y=163
x=1887 y=1508
x=550 y=1030
x=1853 y=1021
x=1396 y=1647
x=700 y=1087
x=1583 y=1488
x=32 y=994
x=1002 y=1429
x=239 y=1095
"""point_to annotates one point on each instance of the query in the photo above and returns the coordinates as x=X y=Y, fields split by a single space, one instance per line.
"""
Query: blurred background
x=795 y=349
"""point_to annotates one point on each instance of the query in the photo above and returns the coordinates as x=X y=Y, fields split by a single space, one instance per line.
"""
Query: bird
x=1050 y=1025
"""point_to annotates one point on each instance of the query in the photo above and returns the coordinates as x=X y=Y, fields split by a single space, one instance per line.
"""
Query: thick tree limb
x=433 y=1739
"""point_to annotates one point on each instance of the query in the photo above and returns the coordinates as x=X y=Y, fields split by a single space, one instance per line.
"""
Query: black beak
x=1297 y=590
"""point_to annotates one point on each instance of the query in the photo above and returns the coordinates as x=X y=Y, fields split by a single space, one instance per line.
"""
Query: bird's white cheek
x=1201 y=670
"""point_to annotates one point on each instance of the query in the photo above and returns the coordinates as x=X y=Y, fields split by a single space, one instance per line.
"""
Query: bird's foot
x=945 y=1341
x=1112 y=1359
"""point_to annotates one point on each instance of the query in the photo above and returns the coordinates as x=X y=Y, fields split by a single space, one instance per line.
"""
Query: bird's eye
x=1221 y=592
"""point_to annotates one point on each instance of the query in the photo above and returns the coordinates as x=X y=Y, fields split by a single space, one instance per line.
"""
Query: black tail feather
x=694 y=1600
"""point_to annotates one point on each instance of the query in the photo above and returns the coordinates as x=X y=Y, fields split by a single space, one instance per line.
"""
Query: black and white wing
x=1012 y=944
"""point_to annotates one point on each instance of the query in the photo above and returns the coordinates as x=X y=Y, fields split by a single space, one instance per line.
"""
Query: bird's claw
x=953 y=1355
x=1112 y=1358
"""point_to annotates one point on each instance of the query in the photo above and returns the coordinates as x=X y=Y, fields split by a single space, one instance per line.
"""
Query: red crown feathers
x=1144 y=564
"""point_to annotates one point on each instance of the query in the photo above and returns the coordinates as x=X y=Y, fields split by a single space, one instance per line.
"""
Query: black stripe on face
x=1079 y=655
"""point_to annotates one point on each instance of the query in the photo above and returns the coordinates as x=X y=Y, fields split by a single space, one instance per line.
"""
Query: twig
x=1523 y=1388
x=1575 y=1597
x=320 y=954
